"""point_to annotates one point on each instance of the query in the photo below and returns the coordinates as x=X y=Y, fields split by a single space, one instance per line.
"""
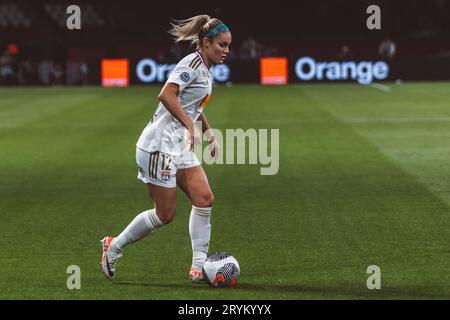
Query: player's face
x=219 y=48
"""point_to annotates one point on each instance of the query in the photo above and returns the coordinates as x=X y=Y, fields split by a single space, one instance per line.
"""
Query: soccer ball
x=221 y=270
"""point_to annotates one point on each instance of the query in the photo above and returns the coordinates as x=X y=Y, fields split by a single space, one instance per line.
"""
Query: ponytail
x=193 y=29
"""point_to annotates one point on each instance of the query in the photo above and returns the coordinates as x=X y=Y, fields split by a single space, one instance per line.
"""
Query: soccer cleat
x=109 y=258
x=195 y=275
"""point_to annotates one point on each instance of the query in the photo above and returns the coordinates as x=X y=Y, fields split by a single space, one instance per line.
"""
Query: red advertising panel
x=115 y=73
x=274 y=70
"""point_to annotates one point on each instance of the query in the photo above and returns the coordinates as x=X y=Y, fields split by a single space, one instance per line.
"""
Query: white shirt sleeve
x=182 y=76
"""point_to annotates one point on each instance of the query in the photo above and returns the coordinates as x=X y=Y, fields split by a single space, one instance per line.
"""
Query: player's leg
x=144 y=223
x=155 y=171
x=163 y=193
x=194 y=183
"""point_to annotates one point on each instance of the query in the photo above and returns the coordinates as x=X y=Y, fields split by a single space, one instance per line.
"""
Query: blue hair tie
x=217 y=29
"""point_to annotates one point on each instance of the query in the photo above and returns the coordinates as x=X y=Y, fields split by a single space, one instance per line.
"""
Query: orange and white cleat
x=195 y=275
x=109 y=257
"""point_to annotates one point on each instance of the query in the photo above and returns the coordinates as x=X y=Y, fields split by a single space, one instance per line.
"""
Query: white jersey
x=164 y=132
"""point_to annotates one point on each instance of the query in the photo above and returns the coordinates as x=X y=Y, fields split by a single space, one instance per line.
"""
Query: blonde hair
x=193 y=29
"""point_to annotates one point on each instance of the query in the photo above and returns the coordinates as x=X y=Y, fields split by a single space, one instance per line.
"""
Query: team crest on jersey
x=185 y=76
x=165 y=175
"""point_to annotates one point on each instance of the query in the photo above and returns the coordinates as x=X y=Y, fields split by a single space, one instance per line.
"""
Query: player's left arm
x=206 y=129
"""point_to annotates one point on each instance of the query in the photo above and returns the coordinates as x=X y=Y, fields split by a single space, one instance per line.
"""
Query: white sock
x=144 y=223
x=200 y=231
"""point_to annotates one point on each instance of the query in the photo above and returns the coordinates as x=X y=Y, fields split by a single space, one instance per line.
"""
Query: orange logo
x=204 y=101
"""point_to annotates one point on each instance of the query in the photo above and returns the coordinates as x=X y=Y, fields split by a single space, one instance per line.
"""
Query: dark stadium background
x=136 y=29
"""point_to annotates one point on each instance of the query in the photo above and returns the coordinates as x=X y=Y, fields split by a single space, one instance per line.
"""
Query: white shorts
x=160 y=168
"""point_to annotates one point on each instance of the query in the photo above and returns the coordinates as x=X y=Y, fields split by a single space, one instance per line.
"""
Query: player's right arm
x=169 y=97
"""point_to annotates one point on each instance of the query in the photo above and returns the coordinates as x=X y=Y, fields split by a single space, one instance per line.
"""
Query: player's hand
x=213 y=148
x=193 y=137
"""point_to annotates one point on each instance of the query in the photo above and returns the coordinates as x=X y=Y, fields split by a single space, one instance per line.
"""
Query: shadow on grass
x=297 y=291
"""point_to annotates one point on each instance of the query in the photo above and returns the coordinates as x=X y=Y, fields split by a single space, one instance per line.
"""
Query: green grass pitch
x=364 y=180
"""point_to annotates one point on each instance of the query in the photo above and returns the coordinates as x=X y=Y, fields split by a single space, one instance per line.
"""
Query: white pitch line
x=381 y=87
x=424 y=119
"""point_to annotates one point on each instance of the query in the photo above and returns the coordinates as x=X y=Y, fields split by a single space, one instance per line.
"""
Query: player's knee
x=166 y=215
x=210 y=200
x=207 y=200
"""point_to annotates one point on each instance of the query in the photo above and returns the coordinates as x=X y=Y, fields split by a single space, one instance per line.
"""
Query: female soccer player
x=163 y=159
